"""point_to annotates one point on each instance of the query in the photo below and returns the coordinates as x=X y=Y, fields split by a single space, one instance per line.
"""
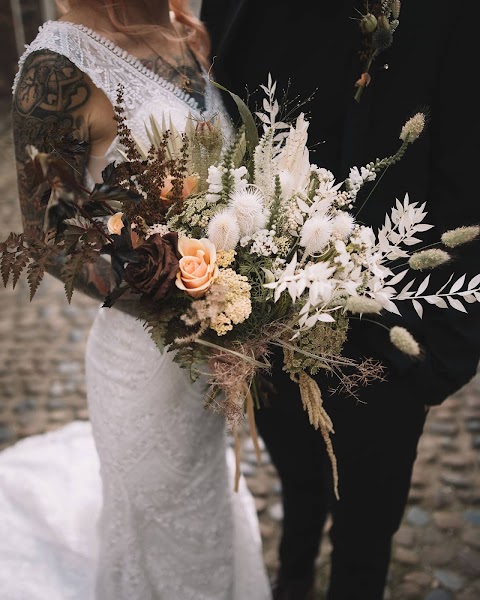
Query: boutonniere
x=377 y=24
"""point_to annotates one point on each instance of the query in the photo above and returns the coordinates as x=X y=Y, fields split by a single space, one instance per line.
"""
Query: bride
x=137 y=504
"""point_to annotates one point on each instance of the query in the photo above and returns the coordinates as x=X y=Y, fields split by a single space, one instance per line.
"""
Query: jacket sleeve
x=450 y=339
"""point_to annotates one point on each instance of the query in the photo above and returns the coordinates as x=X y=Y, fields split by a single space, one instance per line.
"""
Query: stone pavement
x=436 y=553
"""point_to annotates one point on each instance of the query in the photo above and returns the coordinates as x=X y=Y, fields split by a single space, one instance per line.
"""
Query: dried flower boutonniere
x=377 y=26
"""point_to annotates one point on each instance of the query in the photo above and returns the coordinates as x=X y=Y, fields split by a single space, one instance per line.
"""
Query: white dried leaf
x=423 y=286
x=456 y=304
x=457 y=285
x=418 y=308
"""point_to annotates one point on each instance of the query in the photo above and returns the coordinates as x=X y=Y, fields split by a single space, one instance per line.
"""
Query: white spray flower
x=240 y=176
x=223 y=230
x=214 y=179
x=315 y=234
x=247 y=205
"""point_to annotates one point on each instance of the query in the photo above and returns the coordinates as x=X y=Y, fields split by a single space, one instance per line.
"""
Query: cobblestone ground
x=436 y=553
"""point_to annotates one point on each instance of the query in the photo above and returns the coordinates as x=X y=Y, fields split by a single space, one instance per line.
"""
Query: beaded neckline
x=131 y=60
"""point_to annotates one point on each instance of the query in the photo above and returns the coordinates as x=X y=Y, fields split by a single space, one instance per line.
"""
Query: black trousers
x=375 y=443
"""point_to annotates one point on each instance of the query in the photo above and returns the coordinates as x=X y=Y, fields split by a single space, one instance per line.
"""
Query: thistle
x=247 y=207
x=223 y=230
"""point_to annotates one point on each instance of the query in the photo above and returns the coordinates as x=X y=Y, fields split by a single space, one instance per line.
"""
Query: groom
x=313 y=47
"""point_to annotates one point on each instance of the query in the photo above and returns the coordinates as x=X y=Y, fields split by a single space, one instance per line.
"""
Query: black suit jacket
x=429 y=66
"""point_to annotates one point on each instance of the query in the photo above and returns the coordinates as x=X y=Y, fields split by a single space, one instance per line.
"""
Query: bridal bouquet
x=236 y=244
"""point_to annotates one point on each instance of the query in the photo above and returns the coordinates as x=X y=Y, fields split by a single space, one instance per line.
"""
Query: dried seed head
x=363 y=305
x=382 y=38
x=428 y=259
x=404 y=341
x=460 y=235
x=413 y=128
x=223 y=230
x=396 y=5
x=368 y=23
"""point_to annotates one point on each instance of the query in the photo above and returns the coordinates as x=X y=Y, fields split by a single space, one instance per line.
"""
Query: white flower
x=215 y=185
x=214 y=179
x=223 y=230
x=293 y=164
x=156 y=228
x=342 y=225
x=263 y=243
x=315 y=234
x=247 y=205
x=240 y=177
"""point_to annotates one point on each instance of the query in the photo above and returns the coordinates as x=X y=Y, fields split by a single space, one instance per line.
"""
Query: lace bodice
x=109 y=66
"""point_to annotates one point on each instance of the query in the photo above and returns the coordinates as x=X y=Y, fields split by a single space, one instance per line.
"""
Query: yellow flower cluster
x=225 y=257
x=237 y=304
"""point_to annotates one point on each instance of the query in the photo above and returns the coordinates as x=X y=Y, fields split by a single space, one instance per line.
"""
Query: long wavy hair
x=196 y=33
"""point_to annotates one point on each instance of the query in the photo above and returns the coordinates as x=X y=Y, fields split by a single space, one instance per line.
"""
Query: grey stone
x=25 y=405
x=6 y=435
x=405 y=536
x=276 y=487
x=473 y=425
x=419 y=578
x=260 y=504
x=67 y=368
x=406 y=556
x=441 y=554
x=449 y=579
x=76 y=335
x=447 y=520
x=468 y=561
x=56 y=389
x=471 y=536
x=408 y=590
x=472 y=516
x=276 y=511
x=55 y=404
x=439 y=594
x=456 y=480
x=456 y=462
x=418 y=516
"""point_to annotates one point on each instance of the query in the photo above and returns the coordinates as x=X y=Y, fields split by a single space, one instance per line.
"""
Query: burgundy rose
x=155 y=270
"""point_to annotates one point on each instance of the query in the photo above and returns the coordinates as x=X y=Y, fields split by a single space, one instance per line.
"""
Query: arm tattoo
x=50 y=99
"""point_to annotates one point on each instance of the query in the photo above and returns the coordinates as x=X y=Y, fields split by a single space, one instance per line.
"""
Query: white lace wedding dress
x=144 y=508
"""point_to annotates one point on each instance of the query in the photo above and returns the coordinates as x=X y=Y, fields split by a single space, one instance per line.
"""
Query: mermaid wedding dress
x=138 y=503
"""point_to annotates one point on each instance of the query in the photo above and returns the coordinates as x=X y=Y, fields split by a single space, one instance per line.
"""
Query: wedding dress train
x=138 y=504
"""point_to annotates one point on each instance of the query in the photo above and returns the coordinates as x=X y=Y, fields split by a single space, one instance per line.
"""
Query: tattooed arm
x=52 y=97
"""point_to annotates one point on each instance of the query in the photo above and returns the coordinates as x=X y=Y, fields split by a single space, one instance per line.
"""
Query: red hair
x=195 y=31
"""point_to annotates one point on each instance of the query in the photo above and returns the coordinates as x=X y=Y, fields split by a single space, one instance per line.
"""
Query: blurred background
x=436 y=553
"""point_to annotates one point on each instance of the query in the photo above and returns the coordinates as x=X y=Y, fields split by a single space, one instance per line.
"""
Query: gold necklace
x=185 y=82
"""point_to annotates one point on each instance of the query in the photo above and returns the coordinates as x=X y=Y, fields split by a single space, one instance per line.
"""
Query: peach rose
x=198 y=268
x=189 y=184
x=115 y=223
